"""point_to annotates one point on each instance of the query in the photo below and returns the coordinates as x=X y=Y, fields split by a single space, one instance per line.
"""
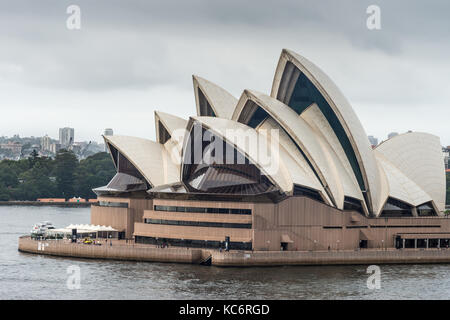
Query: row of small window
x=194 y=243
x=202 y=210
x=199 y=223
x=113 y=204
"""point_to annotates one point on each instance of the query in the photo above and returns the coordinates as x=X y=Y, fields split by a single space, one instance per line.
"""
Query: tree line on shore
x=61 y=177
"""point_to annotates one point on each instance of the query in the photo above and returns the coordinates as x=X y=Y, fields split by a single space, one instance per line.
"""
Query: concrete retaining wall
x=117 y=252
x=330 y=257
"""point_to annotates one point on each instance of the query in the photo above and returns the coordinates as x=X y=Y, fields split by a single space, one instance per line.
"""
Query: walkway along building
x=292 y=170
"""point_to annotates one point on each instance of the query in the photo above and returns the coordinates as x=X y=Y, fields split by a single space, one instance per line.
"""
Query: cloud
x=138 y=55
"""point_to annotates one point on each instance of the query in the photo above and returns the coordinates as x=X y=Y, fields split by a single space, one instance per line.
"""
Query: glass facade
x=220 y=170
x=396 y=208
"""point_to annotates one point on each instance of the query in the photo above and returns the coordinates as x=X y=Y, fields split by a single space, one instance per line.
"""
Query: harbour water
x=28 y=276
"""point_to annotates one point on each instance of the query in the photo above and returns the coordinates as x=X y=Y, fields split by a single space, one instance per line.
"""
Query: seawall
x=120 y=250
x=117 y=251
x=366 y=256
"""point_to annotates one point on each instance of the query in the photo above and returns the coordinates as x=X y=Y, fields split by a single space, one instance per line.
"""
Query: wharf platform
x=127 y=250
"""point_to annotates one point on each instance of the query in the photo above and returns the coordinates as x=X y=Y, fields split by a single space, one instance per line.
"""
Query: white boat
x=48 y=225
x=39 y=229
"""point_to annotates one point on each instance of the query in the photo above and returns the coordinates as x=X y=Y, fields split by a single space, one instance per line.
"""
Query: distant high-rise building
x=446 y=154
x=392 y=134
x=108 y=132
x=66 y=136
x=55 y=147
x=373 y=141
x=46 y=143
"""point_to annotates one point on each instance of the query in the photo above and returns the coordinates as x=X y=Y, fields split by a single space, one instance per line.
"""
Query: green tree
x=65 y=165
x=92 y=172
x=33 y=158
x=4 y=194
x=29 y=179
x=8 y=178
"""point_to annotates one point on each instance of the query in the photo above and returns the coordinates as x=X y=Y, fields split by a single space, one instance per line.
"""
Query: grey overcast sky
x=133 y=57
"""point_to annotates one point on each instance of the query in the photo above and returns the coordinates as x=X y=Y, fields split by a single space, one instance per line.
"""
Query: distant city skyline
x=55 y=136
x=110 y=131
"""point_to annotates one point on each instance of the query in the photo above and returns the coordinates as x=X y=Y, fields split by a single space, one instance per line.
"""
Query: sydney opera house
x=291 y=170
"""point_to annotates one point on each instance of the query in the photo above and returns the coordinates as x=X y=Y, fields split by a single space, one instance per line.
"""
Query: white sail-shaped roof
x=170 y=131
x=374 y=179
x=317 y=121
x=296 y=163
x=419 y=157
x=400 y=186
x=170 y=122
x=219 y=100
x=150 y=158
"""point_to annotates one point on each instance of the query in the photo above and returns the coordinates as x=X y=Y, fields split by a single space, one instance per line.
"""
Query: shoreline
x=41 y=204
x=121 y=250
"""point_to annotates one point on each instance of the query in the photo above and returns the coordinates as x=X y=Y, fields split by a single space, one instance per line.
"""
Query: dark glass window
x=193 y=243
x=353 y=204
x=259 y=116
x=199 y=223
x=114 y=154
x=396 y=208
x=426 y=210
x=164 y=135
x=302 y=191
x=205 y=107
x=202 y=210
